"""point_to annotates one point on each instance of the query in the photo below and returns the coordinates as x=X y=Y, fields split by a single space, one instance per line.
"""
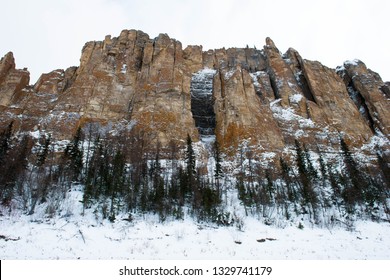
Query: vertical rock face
x=260 y=97
x=247 y=58
x=332 y=104
x=370 y=88
x=240 y=114
x=263 y=86
x=12 y=81
x=282 y=77
x=55 y=82
x=7 y=64
x=128 y=79
x=162 y=99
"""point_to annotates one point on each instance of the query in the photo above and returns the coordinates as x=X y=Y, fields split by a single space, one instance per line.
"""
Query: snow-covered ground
x=73 y=236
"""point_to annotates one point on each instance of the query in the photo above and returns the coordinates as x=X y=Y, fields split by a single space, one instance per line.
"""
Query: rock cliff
x=261 y=97
x=12 y=81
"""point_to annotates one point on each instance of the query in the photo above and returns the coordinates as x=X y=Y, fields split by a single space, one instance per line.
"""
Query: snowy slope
x=71 y=235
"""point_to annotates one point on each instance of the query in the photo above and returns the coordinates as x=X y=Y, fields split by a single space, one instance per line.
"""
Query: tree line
x=117 y=173
x=305 y=186
x=123 y=173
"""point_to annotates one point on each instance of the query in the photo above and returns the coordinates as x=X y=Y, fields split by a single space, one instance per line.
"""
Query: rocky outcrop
x=284 y=82
x=55 y=82
x=12 y=81
x=7 y=64
x=250 y=59
x=241 y=116
x=332 y=104
x=259 y=97
x=372 y=91
x=163 y=100
x=131 y=78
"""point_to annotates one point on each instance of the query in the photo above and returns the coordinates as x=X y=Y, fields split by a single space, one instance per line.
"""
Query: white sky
x=45 y=35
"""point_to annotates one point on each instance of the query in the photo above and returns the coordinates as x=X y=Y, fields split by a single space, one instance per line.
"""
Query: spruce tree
x=384 y=167
x=44 y=168
x=158 y=193
x=5 y=142
x=74 y=154
x=323 y=169
x=308 y=193
x=311 y=171
x=44 y=151
x=303 y=172
x=335 y=179
x=190 y=163
x=218 y=167
x=92 y=172
x=353 y=192
x=116 y=181
x=270 y=185
x=285 y=173
x=12 y=173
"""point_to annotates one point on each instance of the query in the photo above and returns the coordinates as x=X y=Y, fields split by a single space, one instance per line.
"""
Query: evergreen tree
x=384 y=167
x=5 y=145
x=308 y=193
x=300 y=159
x=324 y=179
x=335 y=179
x=218 y=167
x=116 y=181
x=285 y=173
x=303 y=172
x=5 y=142
x=269 y=186
x=183 y=189
x=323 y=169
x=91 y=177
x=209 y=203
x=155 y=170
x=44 y=171
x=353 y=191
x=311 y=171
x=158 y=193
x=13 y=171
x=74 y=154
x=190 y=163
x=44 y=151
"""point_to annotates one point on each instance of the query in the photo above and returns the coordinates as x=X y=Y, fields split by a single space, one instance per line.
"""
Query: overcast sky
x=49 y=34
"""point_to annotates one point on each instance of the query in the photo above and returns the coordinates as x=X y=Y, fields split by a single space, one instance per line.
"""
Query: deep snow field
x=75 y=236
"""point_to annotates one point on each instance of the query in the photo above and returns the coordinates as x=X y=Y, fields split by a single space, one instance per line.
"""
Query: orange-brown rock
x=331 y=104
x=250 y=59
x=284 y=82
x=133 y=78
x=260 y=97
x=12 y=81
x=374 y=93
x=56 y=81
x=263 y=86
x=240 y=115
